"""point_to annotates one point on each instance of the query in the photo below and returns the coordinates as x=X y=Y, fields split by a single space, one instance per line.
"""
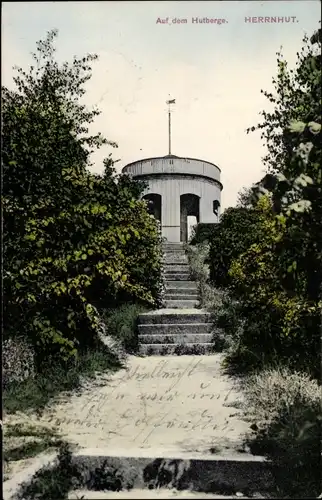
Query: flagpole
x=169 y=102
x=169 y=130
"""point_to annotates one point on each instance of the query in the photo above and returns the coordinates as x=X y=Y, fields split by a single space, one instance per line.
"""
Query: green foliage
x=273 y=261
x=297 y=99
x=73 y=240
x=245 y=198
x=198 y=261
x=108 y=477
x=202 y=233
x=57 y=376
x=265 y=280
x=17 y=361
x=57 y=482
x=121 y=323
x=198 y=258
x=237 y=230
x=228 y=324
x=60 y=480
x=23 y=441
x=284 y=408
x=280 y=274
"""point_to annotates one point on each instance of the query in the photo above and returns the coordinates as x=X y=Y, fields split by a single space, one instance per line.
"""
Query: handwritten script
x=124 y=407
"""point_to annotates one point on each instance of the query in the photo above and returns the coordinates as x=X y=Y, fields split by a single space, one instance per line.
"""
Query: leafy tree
x=238 y=228
x=297 y=97
x=297 y=187
x=245 y=198
x=72 y=240
x=272 y=300
x=281 y=275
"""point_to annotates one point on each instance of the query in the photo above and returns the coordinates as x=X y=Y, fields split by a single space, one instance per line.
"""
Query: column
x=170 y=211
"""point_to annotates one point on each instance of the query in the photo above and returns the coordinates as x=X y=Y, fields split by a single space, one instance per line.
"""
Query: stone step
x=173 y=246
x=173 y=251
x=178 y=262
x=178 y=250
x=181 y=284
x=178 y=298
x=181 y=291
x=183 y=338
x=174 y=256
x=174 y=316
x=175 y=328
x=157 y=493
x=181 y=304
x=182 y=295
x=235 y=475
x=176 y=268
x=179 y=349
x=185 y=263
x=177 y=276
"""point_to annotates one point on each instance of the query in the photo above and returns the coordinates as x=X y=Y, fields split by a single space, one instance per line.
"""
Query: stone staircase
x=171 y=427
x=179 y=328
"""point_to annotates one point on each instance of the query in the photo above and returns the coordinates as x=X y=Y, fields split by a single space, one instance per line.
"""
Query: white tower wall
x=172 y=177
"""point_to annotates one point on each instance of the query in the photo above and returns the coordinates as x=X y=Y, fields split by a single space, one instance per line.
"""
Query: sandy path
x=173 y=403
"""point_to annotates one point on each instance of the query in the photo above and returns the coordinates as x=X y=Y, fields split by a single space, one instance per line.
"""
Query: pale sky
x=215 y=72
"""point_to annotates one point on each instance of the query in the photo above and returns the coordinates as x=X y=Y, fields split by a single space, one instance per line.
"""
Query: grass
x=284 y=408
x=23 y=441
x=38 y=443
x=51 y=483
x=121 y=324
x=197 y=257
x=57 y=482
x=283 y=405
x=35 y=393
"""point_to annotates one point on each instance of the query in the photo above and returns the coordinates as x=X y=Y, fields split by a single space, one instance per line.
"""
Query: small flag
x=173 y=101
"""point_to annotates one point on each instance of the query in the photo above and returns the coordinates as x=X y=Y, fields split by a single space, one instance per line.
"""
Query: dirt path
x=171 y=404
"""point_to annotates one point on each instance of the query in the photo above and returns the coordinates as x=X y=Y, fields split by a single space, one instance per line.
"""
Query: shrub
x=121 y=324
x=73 y=240
x=278 y=278
x=285 y=410
x=237 y=230
x=49 y=482
x=17 y=361
x=57 y=376
x=262 y=280
x=198 y=257
x=202 y=233
x=199 y=271
x=228 y=326
x=22 y=440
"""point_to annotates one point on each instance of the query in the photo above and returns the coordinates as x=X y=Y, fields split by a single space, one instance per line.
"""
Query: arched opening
x=189 y=207
x=216 y=206
x=154 y=204
x=192 y=221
